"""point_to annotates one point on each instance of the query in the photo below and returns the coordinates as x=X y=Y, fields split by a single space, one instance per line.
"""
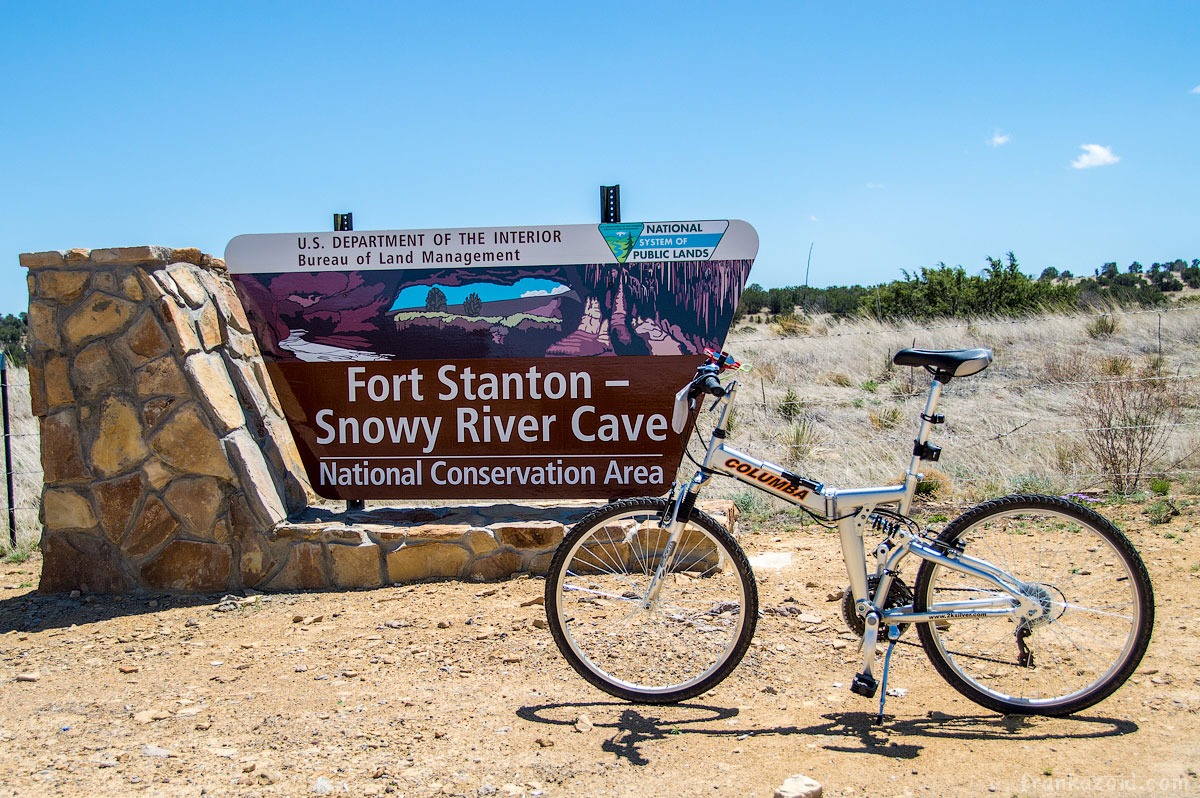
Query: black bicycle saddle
x=946 y=363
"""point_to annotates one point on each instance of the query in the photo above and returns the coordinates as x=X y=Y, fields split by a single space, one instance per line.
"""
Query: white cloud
x=813 y=219
x=999 y=139
x=1195 y=90
x=558 y=289
x=873 y=186
x=1095 y=155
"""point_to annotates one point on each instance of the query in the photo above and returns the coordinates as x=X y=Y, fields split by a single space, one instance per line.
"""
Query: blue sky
x=414 y=296
x=890 y=136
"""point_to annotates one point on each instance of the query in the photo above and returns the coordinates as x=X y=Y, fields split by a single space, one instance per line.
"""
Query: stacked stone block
x=166 y=459
x=397 y=545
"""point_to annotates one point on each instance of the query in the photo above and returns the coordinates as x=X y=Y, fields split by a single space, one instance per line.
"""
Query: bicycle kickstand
x=893 y=633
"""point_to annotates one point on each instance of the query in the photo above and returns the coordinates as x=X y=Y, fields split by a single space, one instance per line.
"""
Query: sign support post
x=343 y=222
x=610 y=204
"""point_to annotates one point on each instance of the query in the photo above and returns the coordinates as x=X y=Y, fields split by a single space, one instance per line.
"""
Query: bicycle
x=1028 y=604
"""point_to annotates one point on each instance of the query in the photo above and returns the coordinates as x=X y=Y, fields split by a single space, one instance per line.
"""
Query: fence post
x=8 y=469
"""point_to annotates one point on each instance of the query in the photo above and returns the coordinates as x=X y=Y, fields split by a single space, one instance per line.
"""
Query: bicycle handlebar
x=705 y=382
x=708 y=384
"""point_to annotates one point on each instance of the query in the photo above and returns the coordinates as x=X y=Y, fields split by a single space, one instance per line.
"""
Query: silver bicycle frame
x=851 y=510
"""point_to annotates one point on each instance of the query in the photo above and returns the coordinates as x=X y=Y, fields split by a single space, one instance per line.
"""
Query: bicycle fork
x=679 y=510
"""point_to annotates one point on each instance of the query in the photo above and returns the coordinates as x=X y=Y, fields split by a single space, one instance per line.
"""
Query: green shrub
x=753 y=505
x=1155 y=366
x=801 y=439
x=934 y=483
x=1161 y=511
x=790 y=326
x=790 y=405
x=949 y=291
x=13 y=334
x=21 y=552
x=1116 y=366
x=1160 y=485
x=1103 y=327
x=1033 y=483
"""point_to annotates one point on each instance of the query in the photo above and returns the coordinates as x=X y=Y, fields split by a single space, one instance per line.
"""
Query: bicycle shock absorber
x=685 y=502
x=686 y=506
x=886 y=525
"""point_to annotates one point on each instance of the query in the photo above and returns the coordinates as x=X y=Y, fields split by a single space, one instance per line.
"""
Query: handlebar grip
x=711 y=385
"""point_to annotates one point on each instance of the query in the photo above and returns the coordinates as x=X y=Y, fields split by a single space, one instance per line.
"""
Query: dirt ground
x=456 y=688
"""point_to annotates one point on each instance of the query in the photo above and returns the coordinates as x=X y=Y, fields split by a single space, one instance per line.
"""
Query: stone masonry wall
x=168 y=464
x=164 y=452
x=391 y=545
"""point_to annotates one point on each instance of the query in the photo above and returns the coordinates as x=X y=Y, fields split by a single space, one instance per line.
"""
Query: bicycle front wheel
x=656 y=649
x=1097 y=607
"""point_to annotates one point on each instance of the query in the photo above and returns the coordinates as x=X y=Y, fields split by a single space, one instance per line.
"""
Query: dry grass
x=1016 y=426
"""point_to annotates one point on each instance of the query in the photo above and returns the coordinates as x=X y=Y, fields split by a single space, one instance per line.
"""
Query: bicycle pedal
x=863 y=685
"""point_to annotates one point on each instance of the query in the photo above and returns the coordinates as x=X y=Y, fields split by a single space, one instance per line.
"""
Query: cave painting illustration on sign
x=490 y=362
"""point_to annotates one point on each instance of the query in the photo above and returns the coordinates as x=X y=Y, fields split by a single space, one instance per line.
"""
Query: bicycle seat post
x=921 y=448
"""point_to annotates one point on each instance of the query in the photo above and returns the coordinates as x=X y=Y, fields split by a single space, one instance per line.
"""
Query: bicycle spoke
x=675 y=642
x=1089 y=628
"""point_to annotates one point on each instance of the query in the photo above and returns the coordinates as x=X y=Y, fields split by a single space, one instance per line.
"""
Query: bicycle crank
x=899 y=594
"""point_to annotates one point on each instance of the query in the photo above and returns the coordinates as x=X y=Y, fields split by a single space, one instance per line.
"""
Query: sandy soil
x=457 y=689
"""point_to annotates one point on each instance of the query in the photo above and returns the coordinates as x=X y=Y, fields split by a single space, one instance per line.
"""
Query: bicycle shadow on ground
x=637 y=724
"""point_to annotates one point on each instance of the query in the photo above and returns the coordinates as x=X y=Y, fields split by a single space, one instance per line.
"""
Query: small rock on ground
x=799 y=786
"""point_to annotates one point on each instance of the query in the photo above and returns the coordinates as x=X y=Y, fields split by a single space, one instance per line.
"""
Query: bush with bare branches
x=1127 y=426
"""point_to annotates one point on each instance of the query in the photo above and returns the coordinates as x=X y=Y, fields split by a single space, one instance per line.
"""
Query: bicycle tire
x=1080 y=567
x=683 y=644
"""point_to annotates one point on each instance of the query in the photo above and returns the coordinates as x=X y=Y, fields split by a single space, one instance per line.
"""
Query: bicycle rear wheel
x=1086 y=575
x=658 y=652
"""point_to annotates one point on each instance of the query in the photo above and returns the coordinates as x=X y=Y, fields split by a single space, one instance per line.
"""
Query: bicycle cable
x=695 y=416
x=903 y=519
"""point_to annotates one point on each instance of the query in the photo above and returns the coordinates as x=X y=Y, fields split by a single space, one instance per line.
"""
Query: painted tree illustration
x=472 y=305
x=435 y=300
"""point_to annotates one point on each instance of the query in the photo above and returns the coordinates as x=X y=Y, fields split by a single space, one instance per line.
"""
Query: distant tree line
x=1138 y=285
x=1001 y=289
x=13 y=338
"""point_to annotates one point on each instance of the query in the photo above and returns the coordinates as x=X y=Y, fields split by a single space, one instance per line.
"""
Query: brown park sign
x=490 y=362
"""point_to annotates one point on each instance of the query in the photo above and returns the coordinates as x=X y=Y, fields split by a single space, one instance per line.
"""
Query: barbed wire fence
x=887 y=401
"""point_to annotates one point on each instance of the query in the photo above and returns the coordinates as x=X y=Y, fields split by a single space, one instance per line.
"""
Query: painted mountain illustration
x=586 y=310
